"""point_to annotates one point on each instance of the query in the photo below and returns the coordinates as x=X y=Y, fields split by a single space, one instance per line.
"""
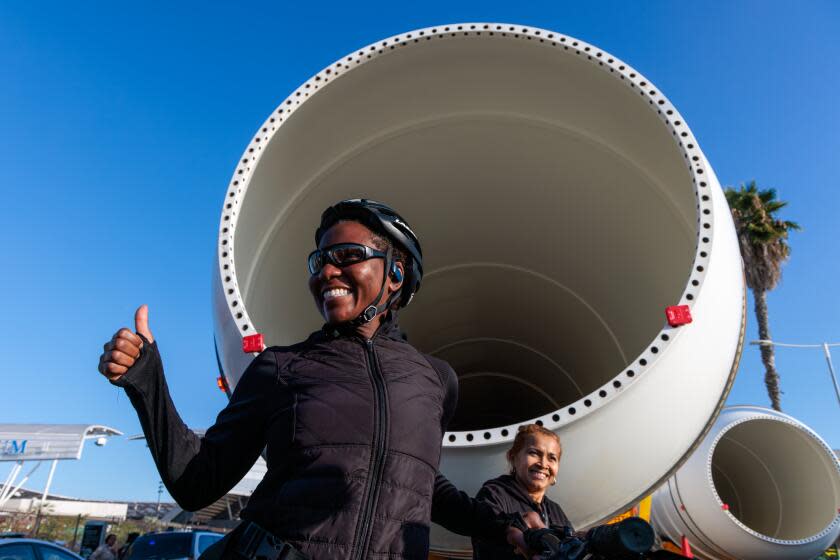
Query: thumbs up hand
x=123 y=350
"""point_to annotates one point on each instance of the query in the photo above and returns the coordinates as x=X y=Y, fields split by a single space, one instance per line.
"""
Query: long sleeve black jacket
x=505 y=495
x=352 y=431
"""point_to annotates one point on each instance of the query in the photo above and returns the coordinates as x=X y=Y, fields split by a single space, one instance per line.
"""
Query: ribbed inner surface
x=555 y=211
x=776 y=479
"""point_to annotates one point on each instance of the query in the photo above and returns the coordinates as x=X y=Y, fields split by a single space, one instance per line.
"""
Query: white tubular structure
x=761 y=485
x=562 y=203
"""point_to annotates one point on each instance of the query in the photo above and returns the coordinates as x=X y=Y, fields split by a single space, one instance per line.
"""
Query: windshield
x=161 y=546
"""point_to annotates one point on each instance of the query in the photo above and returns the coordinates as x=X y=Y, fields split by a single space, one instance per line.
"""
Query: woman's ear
x=396 y=275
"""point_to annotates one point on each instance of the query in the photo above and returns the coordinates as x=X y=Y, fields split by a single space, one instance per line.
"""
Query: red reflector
x=221 y=383
x=253 y=343
x=686 y=548
x=678 y=315
x=725 y=507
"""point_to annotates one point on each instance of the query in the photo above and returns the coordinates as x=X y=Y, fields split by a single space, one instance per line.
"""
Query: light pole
x=825 y=347
x=160 y=491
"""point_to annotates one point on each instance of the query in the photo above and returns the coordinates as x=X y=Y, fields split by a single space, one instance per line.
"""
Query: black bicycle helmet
x=384 y=220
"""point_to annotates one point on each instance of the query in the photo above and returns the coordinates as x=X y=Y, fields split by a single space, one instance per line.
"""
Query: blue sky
x=120 y=126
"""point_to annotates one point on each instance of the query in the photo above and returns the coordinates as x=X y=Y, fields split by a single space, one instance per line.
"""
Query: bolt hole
x=452 y=437
x=616 y=383
x=602 y=393
x=587 y=403
x=572 y=410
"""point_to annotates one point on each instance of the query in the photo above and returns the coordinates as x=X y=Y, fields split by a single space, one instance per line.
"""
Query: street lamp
x=160 y=491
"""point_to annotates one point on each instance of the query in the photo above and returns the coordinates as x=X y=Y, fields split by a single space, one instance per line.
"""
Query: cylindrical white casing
x=562 y=204
x=761 y=485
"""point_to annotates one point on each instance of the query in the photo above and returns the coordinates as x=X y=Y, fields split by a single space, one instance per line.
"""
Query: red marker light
x=725 y=507
x=686 y=548
x=678 y=315
x=253 y=343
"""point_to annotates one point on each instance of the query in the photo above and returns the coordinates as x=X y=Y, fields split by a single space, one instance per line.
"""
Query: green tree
x=762 y=237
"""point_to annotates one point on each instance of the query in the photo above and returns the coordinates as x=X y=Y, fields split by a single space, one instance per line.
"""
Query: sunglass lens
x=348 y=254
x=315 y=262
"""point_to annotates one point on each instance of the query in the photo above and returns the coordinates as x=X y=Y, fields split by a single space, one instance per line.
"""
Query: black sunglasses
x=341 y=255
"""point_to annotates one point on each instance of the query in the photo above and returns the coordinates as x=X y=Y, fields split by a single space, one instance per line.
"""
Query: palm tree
x=763 y=241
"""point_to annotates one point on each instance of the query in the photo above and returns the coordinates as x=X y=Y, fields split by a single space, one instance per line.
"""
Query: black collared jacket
x=505 y=495
x=352 y=430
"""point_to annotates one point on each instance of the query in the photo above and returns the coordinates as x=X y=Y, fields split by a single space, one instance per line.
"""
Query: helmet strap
x=372 y=310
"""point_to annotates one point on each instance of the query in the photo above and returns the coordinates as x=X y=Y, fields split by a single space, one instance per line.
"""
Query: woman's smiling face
x=535 y=465
x=343 y=293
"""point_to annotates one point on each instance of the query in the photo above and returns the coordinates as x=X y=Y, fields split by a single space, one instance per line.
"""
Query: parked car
x=171 y=546
x=33 y=549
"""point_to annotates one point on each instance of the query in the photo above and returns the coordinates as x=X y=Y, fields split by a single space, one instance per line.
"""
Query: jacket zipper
x=377 y=456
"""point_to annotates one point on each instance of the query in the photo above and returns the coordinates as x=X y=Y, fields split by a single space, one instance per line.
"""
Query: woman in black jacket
x=534 y=459
x=351 y=419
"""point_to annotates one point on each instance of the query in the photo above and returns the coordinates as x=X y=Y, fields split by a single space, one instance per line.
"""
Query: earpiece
x=396 y=273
